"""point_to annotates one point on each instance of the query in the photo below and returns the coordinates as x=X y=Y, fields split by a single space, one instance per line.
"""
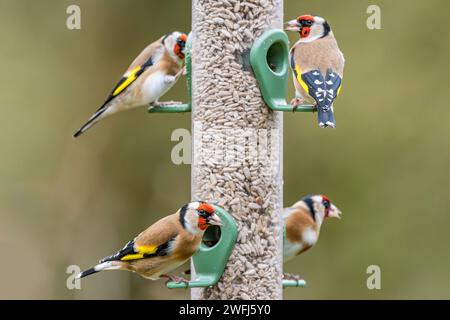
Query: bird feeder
x=179 y=108
x=211 y=258
x=269 y=57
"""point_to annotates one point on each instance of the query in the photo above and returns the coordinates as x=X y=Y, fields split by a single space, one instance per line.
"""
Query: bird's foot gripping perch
x=174 y=278
x=299 y=102
x=158 y=104
x=291 y=276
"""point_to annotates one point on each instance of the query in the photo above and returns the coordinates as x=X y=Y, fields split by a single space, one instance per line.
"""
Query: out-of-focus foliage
x=66 y=201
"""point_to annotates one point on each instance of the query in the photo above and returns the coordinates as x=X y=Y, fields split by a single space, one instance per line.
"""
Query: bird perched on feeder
x=164 y=246
x=155 y=70
x=318 y=66
x=303 y=221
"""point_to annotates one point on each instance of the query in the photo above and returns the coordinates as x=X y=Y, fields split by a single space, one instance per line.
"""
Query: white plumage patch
x=154 y=87
x=290 y=250
x=309 y=237
x=106 y=266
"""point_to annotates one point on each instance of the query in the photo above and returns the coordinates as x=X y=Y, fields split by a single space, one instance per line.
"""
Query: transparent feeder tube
x=237 y=143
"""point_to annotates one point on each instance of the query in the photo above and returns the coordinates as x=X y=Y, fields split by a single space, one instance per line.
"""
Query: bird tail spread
x=92 y=120
x=110 y=265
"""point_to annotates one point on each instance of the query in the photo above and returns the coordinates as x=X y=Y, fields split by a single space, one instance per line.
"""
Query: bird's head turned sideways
x=196 y=217
x=320 y=206
x=175 y=44
x=309 y=27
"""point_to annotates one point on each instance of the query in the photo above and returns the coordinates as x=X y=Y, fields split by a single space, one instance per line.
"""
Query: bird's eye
x=326 y=204
x=203 y=213
x=306 y=23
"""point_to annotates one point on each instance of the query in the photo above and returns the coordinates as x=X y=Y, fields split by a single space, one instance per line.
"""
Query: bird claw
x=174 y=278
x=291 y=276
x=165 y=103
x=297 y=101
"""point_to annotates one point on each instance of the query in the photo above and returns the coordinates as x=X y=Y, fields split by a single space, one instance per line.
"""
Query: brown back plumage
x=297 y=222
x=148 y=52
x=161 y=231
x=319 y=54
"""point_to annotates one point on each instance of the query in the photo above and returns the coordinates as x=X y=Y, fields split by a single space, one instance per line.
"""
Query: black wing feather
x=128 y=249
x=161 y=250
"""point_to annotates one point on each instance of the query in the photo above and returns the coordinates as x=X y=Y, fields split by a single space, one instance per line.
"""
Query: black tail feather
x=330 y=117
x=86 y=273
x=93 y=120
x=322 y=117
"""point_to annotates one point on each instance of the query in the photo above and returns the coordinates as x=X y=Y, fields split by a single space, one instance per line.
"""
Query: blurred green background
x=66 y=201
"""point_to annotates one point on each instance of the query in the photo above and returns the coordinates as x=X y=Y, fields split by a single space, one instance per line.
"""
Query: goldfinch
x=155 y=70
x=164 y=246
x=318 y=66
x=302 y=223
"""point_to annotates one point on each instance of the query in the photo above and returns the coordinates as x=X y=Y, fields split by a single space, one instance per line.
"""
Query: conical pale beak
x=334 y=212
x=292 y=25
x=214 y=220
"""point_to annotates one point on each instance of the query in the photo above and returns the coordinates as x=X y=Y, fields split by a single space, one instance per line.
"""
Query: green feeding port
x=270 y=64
x=211 y=258
x=184 y=107
x=275 y=59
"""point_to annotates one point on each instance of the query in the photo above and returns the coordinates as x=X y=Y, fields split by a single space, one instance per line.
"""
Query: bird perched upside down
x=155 y=70
x=302 y=223
x=318 y=66
x=164 y=246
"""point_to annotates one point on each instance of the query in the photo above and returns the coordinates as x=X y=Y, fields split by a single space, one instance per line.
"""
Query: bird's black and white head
x=175 y=44
x=320 y=207
x=309 y=27
x=196 y=217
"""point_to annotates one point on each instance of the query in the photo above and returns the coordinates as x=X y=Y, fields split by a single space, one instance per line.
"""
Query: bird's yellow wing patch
x=298 y=73
x=127 y=80
x=141 y=251
x=147 y=249
x=132 y=257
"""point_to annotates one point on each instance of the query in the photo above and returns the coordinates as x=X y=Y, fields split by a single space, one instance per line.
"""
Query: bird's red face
x=326 y=203
x=330 y=209
x=180 y=46
x=207 y=216
x=302 y=25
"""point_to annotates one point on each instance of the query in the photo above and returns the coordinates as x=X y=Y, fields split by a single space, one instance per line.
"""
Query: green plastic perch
x=294 y=283
x=185 y=107
x=210 y=261
x=269 y=60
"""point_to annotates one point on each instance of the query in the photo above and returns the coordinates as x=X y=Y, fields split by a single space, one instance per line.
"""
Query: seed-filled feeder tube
x=237 y=144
